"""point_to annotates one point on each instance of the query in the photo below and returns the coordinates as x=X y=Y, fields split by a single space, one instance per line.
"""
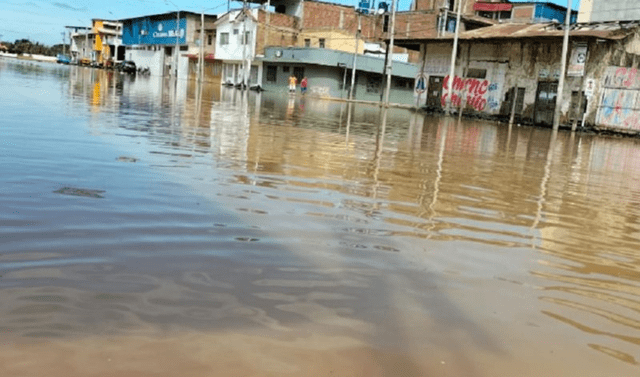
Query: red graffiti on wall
x=474 y=88
x=625 y=76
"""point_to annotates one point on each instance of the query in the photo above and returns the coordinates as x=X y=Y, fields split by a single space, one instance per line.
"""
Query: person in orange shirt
x=292 y=83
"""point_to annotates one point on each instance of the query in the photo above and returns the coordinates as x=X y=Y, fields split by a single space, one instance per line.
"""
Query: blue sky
x=44 y=20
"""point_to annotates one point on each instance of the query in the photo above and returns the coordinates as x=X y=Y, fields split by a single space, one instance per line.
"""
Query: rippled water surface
x=154 y=229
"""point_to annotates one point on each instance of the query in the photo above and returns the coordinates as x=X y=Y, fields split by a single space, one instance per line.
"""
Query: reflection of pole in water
x=349 y=107
x=436 y=182
x=545 y=179
x=376 y=159
x=340 y=122
x=415 y=131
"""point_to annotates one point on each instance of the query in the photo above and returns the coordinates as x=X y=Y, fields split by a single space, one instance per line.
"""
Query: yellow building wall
x=334 y=40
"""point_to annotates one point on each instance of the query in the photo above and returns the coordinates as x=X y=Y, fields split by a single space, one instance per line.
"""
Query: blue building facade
x=154 y=30
x=549 y=12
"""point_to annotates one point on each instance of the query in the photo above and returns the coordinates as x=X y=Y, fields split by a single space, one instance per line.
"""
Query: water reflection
x=446 y=246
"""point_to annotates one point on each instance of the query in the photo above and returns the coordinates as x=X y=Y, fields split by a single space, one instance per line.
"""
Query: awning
x=492 y=7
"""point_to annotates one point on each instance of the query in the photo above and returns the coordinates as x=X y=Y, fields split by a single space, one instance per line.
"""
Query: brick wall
x=416 y=25
x=522 y=13
x=282 y=30
x=333 y=16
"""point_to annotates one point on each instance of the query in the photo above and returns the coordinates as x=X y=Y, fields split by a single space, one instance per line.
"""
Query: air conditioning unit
x=278 y=53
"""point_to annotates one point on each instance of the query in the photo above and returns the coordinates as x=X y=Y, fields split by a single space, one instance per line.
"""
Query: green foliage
x=25 y=46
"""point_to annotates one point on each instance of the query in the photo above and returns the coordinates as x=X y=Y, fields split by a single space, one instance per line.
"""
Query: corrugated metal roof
x=611 y=31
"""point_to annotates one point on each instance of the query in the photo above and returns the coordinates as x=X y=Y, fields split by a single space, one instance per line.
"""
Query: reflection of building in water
x=97 y=88
x=589 y=260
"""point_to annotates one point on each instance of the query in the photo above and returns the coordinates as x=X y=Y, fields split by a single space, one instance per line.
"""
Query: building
x=527 y=12
x=499 y=63
x=608 y=10
x=164 y=42
x=329 y=74
x=107 y=42
x=296 y=23
x=81 y=43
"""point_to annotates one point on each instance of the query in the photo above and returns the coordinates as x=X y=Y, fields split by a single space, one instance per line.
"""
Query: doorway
x=545 y=103
x=434 y=92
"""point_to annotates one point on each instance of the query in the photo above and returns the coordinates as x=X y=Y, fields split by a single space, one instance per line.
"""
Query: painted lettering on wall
x=620 y=109
x=622 y=77
x=475 y=90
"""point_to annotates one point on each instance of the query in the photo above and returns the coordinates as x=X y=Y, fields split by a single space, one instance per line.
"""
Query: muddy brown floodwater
x=154 y=230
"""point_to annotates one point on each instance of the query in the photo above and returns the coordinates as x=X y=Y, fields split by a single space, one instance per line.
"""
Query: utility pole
x=390 y=52
x=177 y=48
x=565 y=50
x=454 y=52
x=201 y=55
x=355 y=59
x=64 y=40
x=243 y=39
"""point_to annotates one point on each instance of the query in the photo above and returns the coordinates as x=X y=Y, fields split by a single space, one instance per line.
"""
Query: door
x=434 y=92
x=545 y=103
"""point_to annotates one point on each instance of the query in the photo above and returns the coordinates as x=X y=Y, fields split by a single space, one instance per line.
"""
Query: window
x=184 y=48
x=272 y=73
x=224 y=39
x=285 y=68
x=247 y=38
x=504 y=15
x=402 y=82
x=209 y=39
x=321 y=42
x=235 y=31
x=373 y=84
x=307 y=43
x=476 y=73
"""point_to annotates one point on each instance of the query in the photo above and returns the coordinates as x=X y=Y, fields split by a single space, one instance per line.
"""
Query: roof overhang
x=513 y=31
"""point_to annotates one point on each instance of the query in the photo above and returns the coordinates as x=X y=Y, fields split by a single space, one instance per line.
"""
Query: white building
x=609 y=10
x=232 y=48
x=81 y=43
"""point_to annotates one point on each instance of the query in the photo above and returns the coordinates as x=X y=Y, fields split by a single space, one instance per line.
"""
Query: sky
x=44 y=20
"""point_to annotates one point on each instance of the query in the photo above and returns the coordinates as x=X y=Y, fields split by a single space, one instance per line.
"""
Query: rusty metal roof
x=611 y=31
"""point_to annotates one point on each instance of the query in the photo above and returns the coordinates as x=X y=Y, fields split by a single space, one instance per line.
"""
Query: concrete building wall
x=148 y=58
x=326 y=82
x=487 y=72
x=608 y=10
x=334 y=40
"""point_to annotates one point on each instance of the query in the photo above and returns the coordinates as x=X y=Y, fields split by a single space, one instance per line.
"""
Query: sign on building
x=577 y=61
x=589 y=87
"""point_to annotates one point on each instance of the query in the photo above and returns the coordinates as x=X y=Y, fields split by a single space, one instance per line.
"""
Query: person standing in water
x=303 y=85
x=292 y=83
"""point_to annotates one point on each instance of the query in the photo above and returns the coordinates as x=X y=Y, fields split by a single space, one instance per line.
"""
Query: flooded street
x=154 y=229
